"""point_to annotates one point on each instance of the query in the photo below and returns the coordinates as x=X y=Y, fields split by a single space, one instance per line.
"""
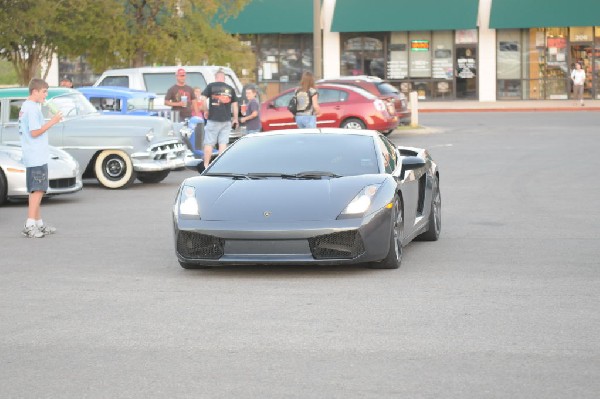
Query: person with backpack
x=307 y=108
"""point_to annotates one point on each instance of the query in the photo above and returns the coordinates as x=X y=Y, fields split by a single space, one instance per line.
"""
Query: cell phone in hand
x=234 y=125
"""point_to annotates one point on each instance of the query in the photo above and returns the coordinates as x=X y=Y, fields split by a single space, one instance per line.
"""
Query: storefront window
x=419 y=55
x=397 y=67
x=442 y=65
x=557 y=67
x=596 y=75
x=363 y=55
x=283 y=58
x=508 y=64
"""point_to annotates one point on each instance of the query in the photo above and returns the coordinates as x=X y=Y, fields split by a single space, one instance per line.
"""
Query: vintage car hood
x=114 y=122
x=223 y=199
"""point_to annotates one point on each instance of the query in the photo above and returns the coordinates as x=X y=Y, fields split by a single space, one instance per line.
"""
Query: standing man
x=578 y=78
x=36 y=155
x=222 y=101
x=180 y=97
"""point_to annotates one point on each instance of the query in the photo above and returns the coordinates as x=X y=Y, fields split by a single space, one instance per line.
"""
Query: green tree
x=146 y=32
x=113 y=33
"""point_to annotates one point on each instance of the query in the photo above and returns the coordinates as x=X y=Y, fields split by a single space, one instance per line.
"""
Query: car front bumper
x=163 y=156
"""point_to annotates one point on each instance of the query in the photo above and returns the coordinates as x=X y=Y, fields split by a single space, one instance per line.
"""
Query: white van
x=159 y=79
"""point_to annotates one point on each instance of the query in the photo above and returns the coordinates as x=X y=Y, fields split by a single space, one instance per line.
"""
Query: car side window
x=15 y=108
x=121 y=81
x=388 y=161
x=332 y=96
x=283 y=100
x=392 y=151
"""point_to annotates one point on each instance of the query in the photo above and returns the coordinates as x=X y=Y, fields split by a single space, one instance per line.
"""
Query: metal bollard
x=414 y=109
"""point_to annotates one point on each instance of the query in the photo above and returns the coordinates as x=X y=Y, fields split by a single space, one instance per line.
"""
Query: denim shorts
x=306 y=121
x=37 y=178
x=216 y=132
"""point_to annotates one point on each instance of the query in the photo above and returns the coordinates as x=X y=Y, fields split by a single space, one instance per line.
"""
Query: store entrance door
x=466 y=73
x=583 y=53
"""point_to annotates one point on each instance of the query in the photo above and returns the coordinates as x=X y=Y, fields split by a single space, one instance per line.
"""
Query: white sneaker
x=32 y=232
x=45 y=229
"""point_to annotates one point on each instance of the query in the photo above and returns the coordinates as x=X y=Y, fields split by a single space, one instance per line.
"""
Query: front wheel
x=152 y=177
x=114 y=169
x=435 y=214
x=353 y=123
x=3 y=187
x=393 y=258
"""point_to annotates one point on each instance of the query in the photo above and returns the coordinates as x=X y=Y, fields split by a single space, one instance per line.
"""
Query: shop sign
x=557 y=42
x=419 y=45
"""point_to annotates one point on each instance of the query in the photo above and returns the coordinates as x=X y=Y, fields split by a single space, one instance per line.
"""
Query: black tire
x=353 y=123
x=435 y=215
x=152 y=177
x=3 y=187
x=393 y=258
x=192 y=266
x=387 y=133
x=114 y=169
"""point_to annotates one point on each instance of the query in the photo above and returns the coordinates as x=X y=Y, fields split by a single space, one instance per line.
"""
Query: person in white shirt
x=578 y=78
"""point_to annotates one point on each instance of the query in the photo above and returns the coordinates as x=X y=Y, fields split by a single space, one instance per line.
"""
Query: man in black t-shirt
x=222 y=106
x=180 y=97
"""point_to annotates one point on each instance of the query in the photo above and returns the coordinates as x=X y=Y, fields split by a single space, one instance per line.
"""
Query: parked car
x=64 y=174
x=159 y=79
x=114 y=100
x=308 y=197
x=114 y=149
x=381 y=89
x=341 y=106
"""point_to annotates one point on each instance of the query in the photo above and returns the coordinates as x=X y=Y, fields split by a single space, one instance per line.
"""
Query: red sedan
x=341 y=106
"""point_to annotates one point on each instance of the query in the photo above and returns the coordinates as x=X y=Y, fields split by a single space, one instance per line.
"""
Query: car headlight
x=361 y=203
x=188 y=205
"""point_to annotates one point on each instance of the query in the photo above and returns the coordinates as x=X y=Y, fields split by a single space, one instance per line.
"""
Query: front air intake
x=199 y=246
x=344 y=245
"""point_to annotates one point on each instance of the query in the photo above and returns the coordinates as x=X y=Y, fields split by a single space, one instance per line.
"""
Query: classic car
x=357 y=198
x=114 y=100
x=114 y=149
x=63 y=173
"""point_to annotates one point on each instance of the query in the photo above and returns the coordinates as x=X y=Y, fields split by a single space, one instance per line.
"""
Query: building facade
x=486 y=50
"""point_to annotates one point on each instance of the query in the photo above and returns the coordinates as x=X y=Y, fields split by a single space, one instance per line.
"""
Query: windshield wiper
x=235 y=176
x=300 y=175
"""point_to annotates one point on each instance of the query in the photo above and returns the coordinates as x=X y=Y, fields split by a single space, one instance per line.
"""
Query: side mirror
x=271 y=105
x=411 y=163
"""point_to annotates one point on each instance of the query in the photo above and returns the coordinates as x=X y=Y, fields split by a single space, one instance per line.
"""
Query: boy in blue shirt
x=36 y=155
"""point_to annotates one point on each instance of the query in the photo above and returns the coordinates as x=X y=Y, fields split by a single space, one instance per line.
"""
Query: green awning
x=510 y=14
x=273 y=16
x=404 y=15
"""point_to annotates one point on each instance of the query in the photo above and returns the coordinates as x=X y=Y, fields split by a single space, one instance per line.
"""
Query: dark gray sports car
x=328 y=196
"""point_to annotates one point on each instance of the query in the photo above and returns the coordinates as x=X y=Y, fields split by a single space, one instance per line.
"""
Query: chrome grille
x=170 y=150
x=199 y=246
x=344 y=245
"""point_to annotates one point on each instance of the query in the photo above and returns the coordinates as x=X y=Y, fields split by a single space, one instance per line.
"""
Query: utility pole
x=317 y=47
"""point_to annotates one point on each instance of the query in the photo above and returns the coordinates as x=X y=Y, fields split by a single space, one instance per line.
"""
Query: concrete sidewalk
x=507 y=106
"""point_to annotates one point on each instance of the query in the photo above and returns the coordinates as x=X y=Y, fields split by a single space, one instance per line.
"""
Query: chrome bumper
x=163 y=156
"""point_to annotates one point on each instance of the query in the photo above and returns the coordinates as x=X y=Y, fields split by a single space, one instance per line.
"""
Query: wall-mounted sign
x=419 y=45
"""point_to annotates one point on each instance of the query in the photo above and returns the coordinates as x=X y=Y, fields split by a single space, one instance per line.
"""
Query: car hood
x=143 y=123
x=277 y=200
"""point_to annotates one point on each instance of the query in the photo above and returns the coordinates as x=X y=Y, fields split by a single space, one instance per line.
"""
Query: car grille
x=168 y=151
x=62 y=183
x=344 y=245
x=199 y=246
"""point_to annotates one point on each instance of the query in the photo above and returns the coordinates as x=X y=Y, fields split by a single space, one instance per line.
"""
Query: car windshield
x=71 y=105
x=140 y=103
x=386 y=88
x=159 y=83
x=299 y=156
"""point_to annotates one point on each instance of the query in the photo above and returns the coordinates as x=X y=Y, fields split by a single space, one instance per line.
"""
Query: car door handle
x=337 y=107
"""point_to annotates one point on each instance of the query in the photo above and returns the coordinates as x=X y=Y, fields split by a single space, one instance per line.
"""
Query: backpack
x=299 y=102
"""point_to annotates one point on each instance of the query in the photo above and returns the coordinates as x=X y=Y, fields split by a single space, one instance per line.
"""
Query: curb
x=541 y=109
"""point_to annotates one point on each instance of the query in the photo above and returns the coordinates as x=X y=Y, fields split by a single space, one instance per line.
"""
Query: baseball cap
x=181 y=71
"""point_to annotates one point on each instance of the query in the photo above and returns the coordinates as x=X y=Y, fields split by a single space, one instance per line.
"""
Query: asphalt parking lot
x=504 y=305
